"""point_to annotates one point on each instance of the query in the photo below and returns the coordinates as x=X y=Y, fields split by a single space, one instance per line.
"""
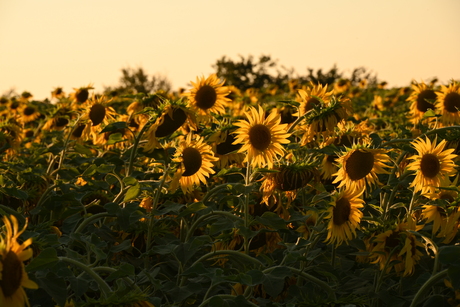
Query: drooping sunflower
x=81 y=94
x=11 y=136
x=422 y=98
x=262 y=138
x=208 y=96
x=14 y=278
x=448 y=102
x=60 y=118
x=322 y=119
x=196 y=159
x=224 y=149
x=432 y=164
x=309 y=98
x=173 y=117
x=344 y=215
x=360 y=165
x=397 y=248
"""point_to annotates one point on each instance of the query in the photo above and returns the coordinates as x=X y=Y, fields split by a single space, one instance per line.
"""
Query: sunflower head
x=360 y=165
x=344 y=215
x=207 y=96
x=448 y=102
x=196 y=161
x=422 y=99
x=12 y=255
x=261 y=137
x=81 y=94
x=432 y=164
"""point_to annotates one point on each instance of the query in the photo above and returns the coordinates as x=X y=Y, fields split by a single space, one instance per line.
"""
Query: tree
x=136 y=81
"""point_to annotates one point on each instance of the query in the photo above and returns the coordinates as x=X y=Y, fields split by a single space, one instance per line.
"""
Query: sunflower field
x=294 y=193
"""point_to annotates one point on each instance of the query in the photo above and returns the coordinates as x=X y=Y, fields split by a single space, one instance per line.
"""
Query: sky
x=72 y=43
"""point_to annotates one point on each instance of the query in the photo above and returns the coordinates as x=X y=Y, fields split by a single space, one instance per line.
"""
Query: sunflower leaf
x=115 y=126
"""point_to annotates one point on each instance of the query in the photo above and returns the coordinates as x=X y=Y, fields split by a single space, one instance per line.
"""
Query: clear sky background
x=71 y=43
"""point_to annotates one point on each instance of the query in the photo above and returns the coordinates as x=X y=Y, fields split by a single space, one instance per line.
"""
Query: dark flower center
x=422 y=104
x=171 y=124
x=311 y=103
x=192 y=161
x=292 y=179
x=430 y=165
x=97 y=114
x=260 y=137
x=78 y=131
x=452 y=102
x=341 y=211
x=446 y=196
x=61 y=121
x=29 y=111
x=11 y=274
x=205 y=97
x=82 y=95
x=392 y=240
x=227 y=146
x=359 y=164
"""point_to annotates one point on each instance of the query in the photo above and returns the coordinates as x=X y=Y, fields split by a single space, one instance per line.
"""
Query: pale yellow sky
x=71 y=43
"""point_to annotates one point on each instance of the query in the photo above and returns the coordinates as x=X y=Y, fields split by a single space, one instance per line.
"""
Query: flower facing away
x=397 y=248
x=422 y=98
x=432 y=164
x=196 y=159
x=360 y=165
x=208 y=96
x=12 y=271
x=262 y=138
x=81 y=94
x=344 y=215
x=448 y=102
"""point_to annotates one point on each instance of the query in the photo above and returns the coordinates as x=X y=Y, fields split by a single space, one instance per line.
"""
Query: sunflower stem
x=132 y=155
x=427 y=285
x=247 y=180
x=103 y=286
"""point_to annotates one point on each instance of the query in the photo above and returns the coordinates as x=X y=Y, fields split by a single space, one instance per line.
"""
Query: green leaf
x=193 y=208
x=429 y=113
x=90 y=170
x=83 y=150
x=121 y=247
x=273 y=285
x=272 y=220
x=449 y=255
x=104 y=168
x=115 y=138
x=130 y=181
x=454 y=275
x=45 y=259
x=115 y=126
x=132 y=192
x=54 y=286
x=125 y=269
x=15 y=192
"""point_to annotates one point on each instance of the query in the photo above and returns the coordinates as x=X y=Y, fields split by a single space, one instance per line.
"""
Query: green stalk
x=223 y=296
x=103 y=286
x=91 y=219
x=132 y=156
x=427 y=285
x=210 y=215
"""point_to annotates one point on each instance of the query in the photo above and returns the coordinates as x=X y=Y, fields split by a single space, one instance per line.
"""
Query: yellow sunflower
x=12 y=271
x=57 y=93
x=448 y=102
x=28 y=113
x=208 y=96
x=308 y=98
x=360 y=165
x=422 y=98
x=344 y=215
x=432 y=164
x=262 y=138
x=196 y=160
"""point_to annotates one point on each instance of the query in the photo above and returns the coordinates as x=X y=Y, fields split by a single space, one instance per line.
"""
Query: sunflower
x=262 y=139
x=359 y=166
x=328 y=166
x=341 y=85
x=344 y=215
x=28 y=113
x=422 y=98
x=97 y=112
x=397 y=248
x=310 y=221
x=11 y=136
x=60 y=118
x=13 y=275
x=196 y=160
x=448 y=102
x=432 y=164
x=309 y=98
x=208 y=96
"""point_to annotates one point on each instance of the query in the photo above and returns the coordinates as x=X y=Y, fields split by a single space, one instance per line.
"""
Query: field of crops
x=294 y=193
